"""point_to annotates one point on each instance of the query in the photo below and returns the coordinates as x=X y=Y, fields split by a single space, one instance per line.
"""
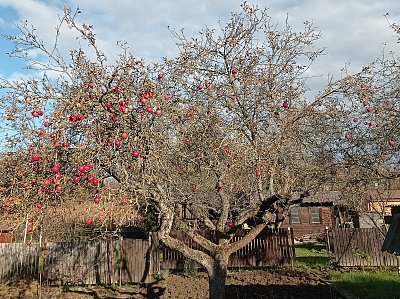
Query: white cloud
x=353 y=30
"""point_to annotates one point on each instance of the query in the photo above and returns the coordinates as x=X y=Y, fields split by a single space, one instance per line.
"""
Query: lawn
x=369 y=285
x=311 y=255
x=361 y=284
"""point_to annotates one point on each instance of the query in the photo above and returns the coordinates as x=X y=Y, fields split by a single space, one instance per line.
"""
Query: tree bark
x=217 y=277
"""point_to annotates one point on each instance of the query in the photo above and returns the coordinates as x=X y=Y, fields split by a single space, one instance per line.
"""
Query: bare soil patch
x=257 y=284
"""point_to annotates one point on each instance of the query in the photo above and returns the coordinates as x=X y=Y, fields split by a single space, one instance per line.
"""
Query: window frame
x=297 y=209
x=313 y=212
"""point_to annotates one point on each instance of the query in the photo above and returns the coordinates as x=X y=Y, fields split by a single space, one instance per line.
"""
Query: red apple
x=285 y=104
x=199 y=87
x=95 y=182
x=46 y=182
x=258 y=173
x=91 y=85
x=108 y=105
x=59 y=188
x=234 y=72
x=47 y=124
x=35 y=114
x=117 y=143
x=124 y=135
x=89 y=222
x=369 y=109
x=76 y=179
x=355 y=119
x=30 y=229
x=35 y=157
x=56 y=168
x=149 y=109
x=96 y=199
x=135 y=154
x=158 y=112
x=39 y=206
x=160 y=76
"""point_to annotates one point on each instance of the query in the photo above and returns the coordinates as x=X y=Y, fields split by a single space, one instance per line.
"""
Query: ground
x=257 y=284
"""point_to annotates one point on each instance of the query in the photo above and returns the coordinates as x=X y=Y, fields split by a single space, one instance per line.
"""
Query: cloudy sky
x=353 y=31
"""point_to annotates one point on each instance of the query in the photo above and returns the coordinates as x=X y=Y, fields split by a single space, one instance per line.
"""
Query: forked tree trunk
x=217 y=277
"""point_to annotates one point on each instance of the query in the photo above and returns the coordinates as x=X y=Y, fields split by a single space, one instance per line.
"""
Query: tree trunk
x=217 y=277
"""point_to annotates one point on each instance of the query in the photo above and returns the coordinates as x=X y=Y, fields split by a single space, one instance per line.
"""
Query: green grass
x=311 y=256
x=369 y=285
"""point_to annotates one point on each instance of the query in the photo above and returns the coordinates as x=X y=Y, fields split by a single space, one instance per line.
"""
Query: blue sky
x=353 y=30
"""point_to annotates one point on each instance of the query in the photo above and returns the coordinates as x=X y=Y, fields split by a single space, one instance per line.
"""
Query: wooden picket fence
x=359 y=247
x=120 y=261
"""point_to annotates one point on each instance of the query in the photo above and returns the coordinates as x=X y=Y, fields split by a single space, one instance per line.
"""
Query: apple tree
x=224 y=129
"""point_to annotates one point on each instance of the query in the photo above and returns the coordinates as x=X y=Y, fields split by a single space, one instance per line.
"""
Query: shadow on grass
x=312 y=261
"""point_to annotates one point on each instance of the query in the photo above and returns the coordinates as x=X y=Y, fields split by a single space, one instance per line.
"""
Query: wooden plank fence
x=359 y=247
x=95 y=262
x=120 y=261
x=271 y=247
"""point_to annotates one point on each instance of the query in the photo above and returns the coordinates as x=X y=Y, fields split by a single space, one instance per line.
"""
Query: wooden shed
x=314 y=214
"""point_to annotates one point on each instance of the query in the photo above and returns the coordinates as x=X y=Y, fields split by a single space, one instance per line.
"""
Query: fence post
x=328 y=242
x=120 y=258
x=153 y=254
x=293 y=255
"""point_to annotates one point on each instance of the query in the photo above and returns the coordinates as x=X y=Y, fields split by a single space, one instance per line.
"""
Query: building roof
x=322 y=199
x=384 y=195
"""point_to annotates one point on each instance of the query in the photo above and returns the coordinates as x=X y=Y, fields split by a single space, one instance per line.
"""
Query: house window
x=294 y=215
x=315 y=215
